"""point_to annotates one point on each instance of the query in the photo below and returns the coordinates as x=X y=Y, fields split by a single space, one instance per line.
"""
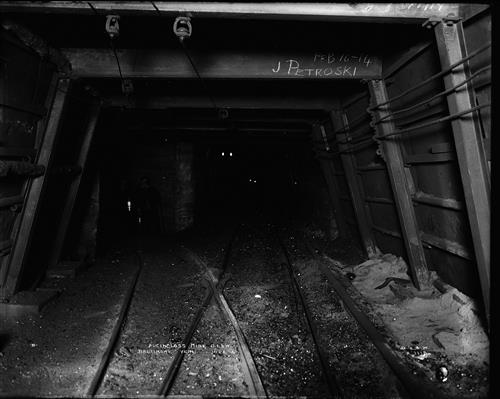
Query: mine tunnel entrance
x=245 y=200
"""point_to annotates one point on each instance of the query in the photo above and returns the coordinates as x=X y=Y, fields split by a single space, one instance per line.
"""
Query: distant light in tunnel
x=230 y=154
x=222 y=154
x=139 y=220
x=129 y=205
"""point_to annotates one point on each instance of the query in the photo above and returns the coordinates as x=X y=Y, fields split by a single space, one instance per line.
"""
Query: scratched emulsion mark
x=324 y=65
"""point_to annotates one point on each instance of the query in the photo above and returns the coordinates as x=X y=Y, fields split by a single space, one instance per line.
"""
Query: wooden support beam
x=348 y=12
x=469 y=147
x=9 y=201
x=449 y=246
x=173 y=63
x=412 y=159
x=19 y=152
x=74 y=186
x=447 y=203
x=269 y=101
x=361 y=213
x=23 y=238
x=38 y=45
x=329 y=172
x=401 y=188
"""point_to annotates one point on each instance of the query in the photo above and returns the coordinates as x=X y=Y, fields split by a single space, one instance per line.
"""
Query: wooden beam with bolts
x=339 y=12
x=173 y=63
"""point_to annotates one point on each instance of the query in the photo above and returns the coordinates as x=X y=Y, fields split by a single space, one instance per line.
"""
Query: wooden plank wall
x=430 y=160
x=25 y=81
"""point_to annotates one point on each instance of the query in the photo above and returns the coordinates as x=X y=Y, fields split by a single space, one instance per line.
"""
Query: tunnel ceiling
x=245 y=34
x=263 y=103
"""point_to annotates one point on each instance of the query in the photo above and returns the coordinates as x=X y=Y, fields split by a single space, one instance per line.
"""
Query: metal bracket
x=449 y=20
x=431 y=22
x=113 y=26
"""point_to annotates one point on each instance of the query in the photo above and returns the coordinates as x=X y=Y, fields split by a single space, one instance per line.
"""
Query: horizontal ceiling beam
x=269 y=101
x=220 y=129
x=360 y=12
x=168 y=63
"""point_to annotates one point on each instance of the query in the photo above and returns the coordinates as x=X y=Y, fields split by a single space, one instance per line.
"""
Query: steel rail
x=213 y=291
x=173 y=369
x=415 y=388
x=332 y=383
x=256 y=387
x=431 y=78
x=106 y=357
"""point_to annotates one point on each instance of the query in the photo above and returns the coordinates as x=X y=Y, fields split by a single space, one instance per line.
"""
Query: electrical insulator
x=182 y=27
x=113 y=26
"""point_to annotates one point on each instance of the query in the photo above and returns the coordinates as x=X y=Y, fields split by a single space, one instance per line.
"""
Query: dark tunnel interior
x=273 y=200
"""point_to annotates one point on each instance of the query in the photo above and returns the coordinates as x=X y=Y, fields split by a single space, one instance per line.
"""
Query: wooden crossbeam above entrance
x=168 y=63
x=359 y=12
x=270 y=101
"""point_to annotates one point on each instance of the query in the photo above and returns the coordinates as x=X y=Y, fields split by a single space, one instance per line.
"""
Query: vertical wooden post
x=362 y=217
x=470 y=153
x=74 y=186
x=23 y=237
x=318 y=133
x=400 y=188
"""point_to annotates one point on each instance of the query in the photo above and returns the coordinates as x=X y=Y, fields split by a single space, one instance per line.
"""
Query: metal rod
x=106 y=357
x=416 y=388
x=330 y=378
x=438 y=95
x=437 y=75
x=440 y=120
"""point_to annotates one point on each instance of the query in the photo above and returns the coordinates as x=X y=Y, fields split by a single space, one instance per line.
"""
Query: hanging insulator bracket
x=113 y=26
x=182 y=27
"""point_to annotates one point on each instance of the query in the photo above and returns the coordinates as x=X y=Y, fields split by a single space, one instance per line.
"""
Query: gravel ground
x=261 y=296
x=358 y=366
x=56 y=353
x=167 y=295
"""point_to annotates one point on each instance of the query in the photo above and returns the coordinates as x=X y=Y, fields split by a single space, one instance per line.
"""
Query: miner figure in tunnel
x=147 y=207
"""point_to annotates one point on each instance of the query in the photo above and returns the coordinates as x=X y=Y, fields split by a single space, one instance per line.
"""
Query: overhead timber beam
x=345 y=12
x=207 y=129
x=173 y=63
x=269 y=101
x=36 y=43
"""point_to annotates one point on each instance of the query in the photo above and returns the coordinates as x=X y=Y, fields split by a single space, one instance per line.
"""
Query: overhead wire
x=429 y=100
x=111 y=45
x=429 y=79
x=193 y=65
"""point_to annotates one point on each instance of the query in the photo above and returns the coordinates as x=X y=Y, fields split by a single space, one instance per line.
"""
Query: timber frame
x=450 y=41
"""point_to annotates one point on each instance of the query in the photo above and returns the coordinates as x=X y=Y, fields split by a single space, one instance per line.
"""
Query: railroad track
x=214 y=290
x=257 y=388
